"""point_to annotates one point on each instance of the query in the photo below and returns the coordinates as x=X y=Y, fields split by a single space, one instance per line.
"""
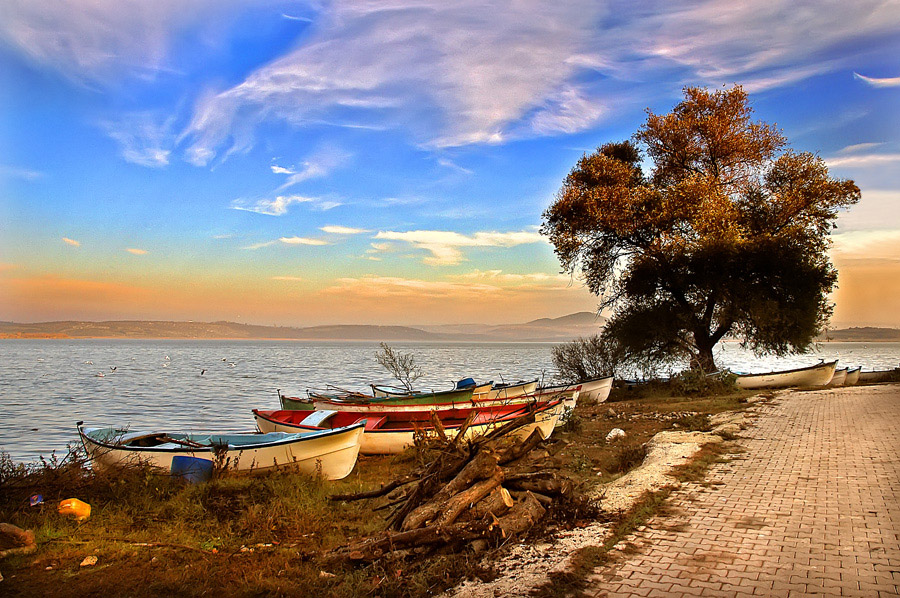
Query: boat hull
x=839 y=378
x=596 y=391
x=852 y=378
x=876 y=376
x=380 y=439
x=816 y=375
x=331 y=455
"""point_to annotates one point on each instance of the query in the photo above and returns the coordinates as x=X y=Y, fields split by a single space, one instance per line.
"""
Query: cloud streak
x=879 y=82
x=445 y=246
x=71 y=242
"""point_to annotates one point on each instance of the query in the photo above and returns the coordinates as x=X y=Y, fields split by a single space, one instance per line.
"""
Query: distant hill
x=542 y=330
x=865 y=334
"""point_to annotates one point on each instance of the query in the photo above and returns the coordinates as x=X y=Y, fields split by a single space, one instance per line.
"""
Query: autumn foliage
x=726 y=235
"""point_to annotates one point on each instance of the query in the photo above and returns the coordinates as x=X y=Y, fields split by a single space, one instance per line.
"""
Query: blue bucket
x=192 y=469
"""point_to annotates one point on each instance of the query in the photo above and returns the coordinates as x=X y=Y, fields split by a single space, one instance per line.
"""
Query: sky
x=363 y=162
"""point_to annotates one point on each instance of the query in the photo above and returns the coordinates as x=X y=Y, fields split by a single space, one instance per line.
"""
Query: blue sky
x=388 y=162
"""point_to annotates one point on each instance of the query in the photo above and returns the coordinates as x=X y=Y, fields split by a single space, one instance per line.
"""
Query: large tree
x=726 y=235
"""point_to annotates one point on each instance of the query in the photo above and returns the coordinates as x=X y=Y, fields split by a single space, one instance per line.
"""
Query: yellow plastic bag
x=77 y=508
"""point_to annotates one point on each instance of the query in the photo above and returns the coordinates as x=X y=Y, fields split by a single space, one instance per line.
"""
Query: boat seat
x=373 y=423
x=317 y=418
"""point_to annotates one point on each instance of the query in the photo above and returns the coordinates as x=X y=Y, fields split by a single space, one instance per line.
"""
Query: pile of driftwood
x=472 y=493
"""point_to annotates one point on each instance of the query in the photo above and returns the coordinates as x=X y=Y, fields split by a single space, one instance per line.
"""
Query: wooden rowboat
x=596 y=390
x=878 y=376
x=331 y=453
x=839 y=378
x=390 y=432
x=814 y=375
x=852 y=376
x=471 y=396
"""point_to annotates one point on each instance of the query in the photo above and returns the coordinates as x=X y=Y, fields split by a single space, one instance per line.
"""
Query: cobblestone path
x=811 y=508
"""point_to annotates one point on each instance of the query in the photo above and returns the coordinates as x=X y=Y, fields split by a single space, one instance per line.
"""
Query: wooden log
x=498 y=502
x=518 y=451
x=522 y=516
x=554 y=485
x=483 y=465
x=445 y=466
x=15 y=540
x=438 y=426
x=373 y=548
x=461 y=433
x=542 y=498
x=468 y=497
x=385 y=489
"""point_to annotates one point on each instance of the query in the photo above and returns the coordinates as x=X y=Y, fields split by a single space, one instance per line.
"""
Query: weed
x=694 y=422
x=628 y=457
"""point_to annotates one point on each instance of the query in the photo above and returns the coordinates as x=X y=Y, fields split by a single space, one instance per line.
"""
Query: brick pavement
x=812 y=508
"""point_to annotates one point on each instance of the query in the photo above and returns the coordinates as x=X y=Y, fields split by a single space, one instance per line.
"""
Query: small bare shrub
x=403 y=366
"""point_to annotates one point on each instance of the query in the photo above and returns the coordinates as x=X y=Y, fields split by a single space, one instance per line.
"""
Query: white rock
x=89 y=561
x=615 y=434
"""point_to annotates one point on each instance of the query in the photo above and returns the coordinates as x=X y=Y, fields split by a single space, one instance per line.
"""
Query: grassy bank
x=267 y=535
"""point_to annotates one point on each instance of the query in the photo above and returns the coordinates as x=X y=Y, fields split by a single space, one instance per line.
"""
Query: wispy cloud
x=302 y=241
x=271 y=207
x=71 y=242
x=318 y=165
x=863 y=160
x=343 y=230
x=444 y=246
x=145 y=138
x=288 y=278
x=858 y=147
x=134 y=251
x=373 y=59
x=288 y=241
x=14 y=172
x=868 y=245
x=879 y=82
x=101 y=41
x=877 y=210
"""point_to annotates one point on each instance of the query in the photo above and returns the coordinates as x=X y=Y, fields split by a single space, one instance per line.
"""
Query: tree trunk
x=703 y=358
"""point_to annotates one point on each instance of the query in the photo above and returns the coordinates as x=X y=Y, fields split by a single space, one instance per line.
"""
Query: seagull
x=232 y=364
x=89 y=362
x=223 y=359
x=202 y=372
x=112 y=368
x=99 y=375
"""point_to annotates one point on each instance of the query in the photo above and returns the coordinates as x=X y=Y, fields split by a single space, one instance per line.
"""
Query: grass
x=265 y=535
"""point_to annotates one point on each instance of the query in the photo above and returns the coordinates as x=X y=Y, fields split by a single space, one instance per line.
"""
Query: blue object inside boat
x=465 y=383
x=192 y=469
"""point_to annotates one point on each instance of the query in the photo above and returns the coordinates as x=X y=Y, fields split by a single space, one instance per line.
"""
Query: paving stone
x=810 y=507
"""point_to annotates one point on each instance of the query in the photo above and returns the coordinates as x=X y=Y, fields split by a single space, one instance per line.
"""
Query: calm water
x=47 y=385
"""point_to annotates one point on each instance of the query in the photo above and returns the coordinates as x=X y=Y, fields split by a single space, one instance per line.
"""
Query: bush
x=695 y=382
x=628 y=457
x=583 y=359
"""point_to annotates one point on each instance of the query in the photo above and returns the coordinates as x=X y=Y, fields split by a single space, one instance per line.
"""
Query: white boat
x=852 y=378
x=597 y=390
x=876 y=376
x=391 y=432
x=513 y=391
x=839 y=378
x=330 y=453
x=814 y=375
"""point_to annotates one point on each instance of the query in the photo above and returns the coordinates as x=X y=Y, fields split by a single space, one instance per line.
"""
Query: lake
x=48 y=385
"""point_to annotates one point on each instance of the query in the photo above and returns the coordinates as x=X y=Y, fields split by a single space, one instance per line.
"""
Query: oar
x=189 y=443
